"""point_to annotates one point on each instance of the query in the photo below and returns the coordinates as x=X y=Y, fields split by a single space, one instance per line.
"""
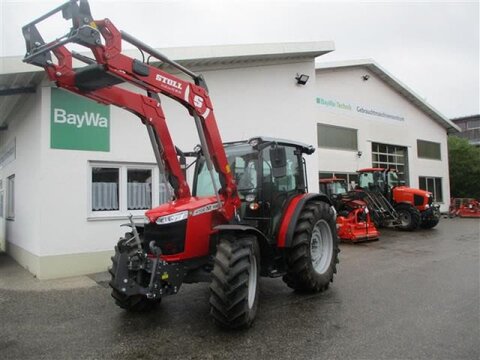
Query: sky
x=431 y=46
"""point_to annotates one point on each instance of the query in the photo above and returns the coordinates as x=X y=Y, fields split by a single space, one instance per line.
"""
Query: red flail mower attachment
x=356 y=226
x=354 y=223
x=464 y=208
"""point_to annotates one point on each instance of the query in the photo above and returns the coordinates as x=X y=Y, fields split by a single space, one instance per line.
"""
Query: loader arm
x=99 y=80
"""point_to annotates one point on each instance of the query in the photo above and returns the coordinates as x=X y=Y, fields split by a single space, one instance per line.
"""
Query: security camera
x=359 y=154
x=365 y=77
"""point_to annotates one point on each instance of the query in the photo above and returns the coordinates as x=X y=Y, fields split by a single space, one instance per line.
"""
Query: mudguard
x=292 y=212
x=238 y=227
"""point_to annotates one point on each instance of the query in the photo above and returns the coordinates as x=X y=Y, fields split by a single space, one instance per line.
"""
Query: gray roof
x=466 y=118
x=396 y=84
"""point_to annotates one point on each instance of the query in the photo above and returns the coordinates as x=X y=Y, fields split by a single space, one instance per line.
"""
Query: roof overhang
x=18 y=79
x=394 y=83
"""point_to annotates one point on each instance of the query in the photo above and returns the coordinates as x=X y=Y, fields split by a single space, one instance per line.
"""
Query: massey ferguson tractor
x=354 y=223
x=394 y=204
x=248 y=213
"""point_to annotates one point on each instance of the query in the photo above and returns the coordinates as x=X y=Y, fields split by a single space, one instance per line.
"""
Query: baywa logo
x=61 y=116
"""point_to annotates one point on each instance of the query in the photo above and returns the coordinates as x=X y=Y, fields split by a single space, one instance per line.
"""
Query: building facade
x=73 y=170
x=470 y=128
x=367 y=118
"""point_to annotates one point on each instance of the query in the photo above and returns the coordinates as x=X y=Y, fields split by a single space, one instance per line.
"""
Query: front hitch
x=432 y=213
x=139 y=273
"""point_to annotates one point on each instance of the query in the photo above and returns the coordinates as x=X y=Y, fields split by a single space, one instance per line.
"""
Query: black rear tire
x=409 y=216
x=234 y=286
x=301 y=273
x=133 y=303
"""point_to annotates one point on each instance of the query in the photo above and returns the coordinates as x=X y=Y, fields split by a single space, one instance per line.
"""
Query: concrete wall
x=347 y=86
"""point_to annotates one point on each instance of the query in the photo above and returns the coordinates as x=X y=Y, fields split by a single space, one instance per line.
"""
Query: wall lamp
x=302 y=79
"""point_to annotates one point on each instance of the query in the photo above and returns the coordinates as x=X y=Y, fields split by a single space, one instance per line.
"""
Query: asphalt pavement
x=407 y=296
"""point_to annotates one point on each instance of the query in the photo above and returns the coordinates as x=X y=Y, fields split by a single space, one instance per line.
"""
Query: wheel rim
x=321 y=247
x=405 y=218
x=252 y=281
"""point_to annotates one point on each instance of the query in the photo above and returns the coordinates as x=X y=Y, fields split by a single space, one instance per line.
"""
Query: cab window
x=243 y=163
x=291 y=179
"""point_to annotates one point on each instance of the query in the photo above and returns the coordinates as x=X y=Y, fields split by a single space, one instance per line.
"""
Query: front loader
x=248 y=213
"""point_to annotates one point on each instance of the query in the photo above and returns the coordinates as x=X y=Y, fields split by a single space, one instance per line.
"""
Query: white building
x=51 y=163
x=61 y=221
x=367 y=118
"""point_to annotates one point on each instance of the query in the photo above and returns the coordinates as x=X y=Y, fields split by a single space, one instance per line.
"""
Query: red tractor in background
x=393 y=203
x=248 y=214
x=353 y=218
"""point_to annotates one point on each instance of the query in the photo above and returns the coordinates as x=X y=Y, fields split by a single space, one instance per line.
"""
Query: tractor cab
x=334 y=188
x=268 y=173
x=378 y=179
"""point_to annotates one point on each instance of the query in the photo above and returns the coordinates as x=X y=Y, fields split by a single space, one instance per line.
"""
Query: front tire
x=429 y=224
x=409 y=217
x=234 y=287
x=313 y=257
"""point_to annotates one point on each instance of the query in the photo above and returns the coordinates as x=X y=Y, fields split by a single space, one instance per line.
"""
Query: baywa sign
x=77 y=123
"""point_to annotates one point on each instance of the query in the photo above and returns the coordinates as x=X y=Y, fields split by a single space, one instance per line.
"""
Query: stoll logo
x=168 y=81
x=60 y=116
x=77 y=123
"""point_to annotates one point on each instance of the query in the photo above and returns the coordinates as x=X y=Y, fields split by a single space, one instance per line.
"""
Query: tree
x=464 y=160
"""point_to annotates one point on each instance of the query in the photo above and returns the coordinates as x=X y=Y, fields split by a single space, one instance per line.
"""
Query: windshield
x=393 y=179
x=373 y=180
x=242 y=160
x=366 y=180
x=337 y=188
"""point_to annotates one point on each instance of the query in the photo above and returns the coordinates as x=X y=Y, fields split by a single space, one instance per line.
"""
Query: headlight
x=168 y=219
x=146 y=220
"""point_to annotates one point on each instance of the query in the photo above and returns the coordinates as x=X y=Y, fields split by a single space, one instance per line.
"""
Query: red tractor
x=353 y=219
x=394 y=203
x=248 y=214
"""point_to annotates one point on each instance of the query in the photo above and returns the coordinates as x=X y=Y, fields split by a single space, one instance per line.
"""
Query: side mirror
x=278 y=157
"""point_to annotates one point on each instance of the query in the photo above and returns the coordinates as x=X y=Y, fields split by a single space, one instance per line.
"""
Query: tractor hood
x=421 y=199
x=408 y=190
x=184 y=208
